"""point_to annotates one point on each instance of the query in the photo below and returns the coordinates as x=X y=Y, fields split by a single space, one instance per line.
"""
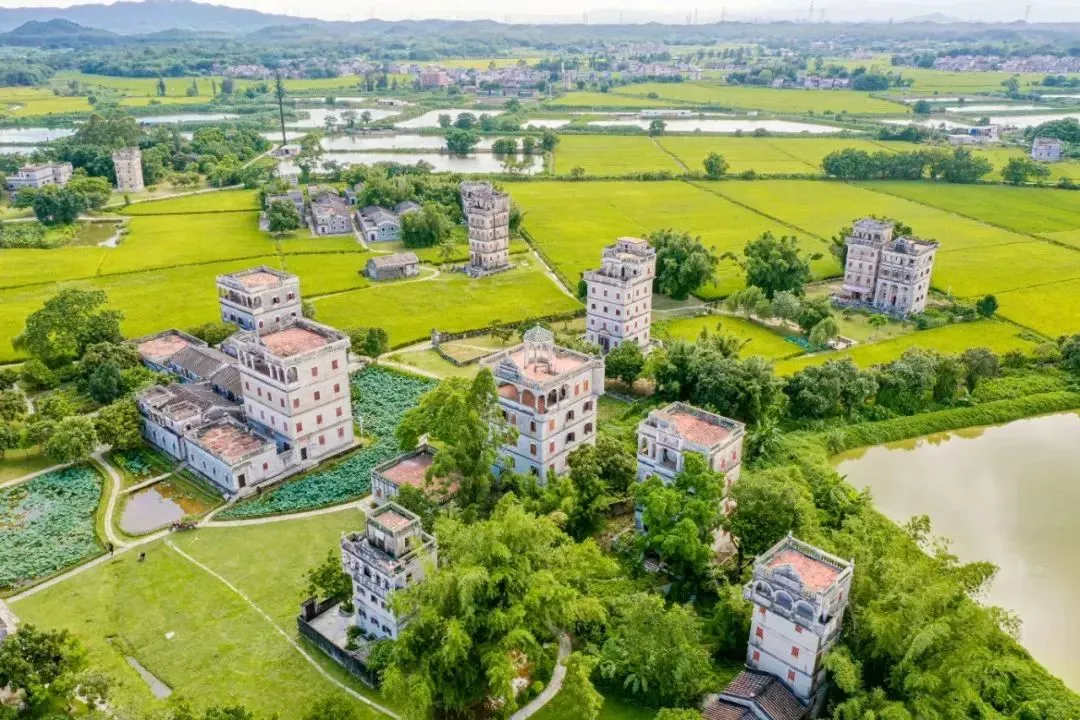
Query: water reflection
x=317 y=116
x=157 y=506
x=185 y=117
x=29 y=136
x=1007 y=494
x=725 y=126
x=431 y=119
x=466 y=164
x=346 y=143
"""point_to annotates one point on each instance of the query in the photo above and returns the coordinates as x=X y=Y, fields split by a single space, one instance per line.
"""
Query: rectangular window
x=281 y=402
x=296 y=403
x=532 y=426
x=798 y=629
x=341 y=432
x=337 y=387
x=794 y=651
x=314 y=372
x=260 y=392
x=334 y=365
x=760 y=632
x=322 y=439
x=317 y=396
x=247 y=385
x=299 y=427
x=318 y=419
x=756 y=656
x=761 y=610
x=585 y=385
x=266 y=466
x=551 y=447
x=532 y=449
x=551 y=424
x=791 y=676
x=339 y=411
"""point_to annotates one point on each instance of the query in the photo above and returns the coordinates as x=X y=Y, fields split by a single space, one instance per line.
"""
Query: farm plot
x=47 y=524
x=160 y=241
x=380 y=398
x=572 y=222
x=1040 y=211
x=1000 y=156
x=452 y=302
x=817 y=102
x=1052 y=309
x=138 y=295
x=612 y=155
x=952 y=339
x=759 y=340
x=768 y=155
x=191 y=630
x=608 y=100
x=19 y=266
x=324 y=273
x=211 y=202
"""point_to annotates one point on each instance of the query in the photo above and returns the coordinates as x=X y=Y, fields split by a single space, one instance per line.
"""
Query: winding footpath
x=552 y=689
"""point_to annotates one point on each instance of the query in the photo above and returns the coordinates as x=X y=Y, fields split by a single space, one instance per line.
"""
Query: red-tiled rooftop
x=410 y=471
x=258 y=280
x=559 y=366
x=293 y=341
x=162 y=348
x=696 y=429
x=391 y=520
x=230 y=442
x=816 y=575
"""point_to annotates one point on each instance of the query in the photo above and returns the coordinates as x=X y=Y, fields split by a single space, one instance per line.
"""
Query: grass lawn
x=952 y=339
x=1023 y=209
x=325 y=273
x=612 y=155
x=572 y=222
x=210 y=202
x=760 y=340
x=17 y=463
x=432 y=362
x=408 y=310
x=193 y=632
x=614 y=708
x=814 y=102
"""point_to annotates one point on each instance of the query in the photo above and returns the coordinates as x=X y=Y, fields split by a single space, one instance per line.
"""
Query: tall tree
x=43 y=664
x=69 y=322
x=72 y=440
x=768 y=505
x=120 y=425
x=625 y=362
x=464 y=417
x=683 y=263
x=775 y=265
x=502 y=584
x=279 y=95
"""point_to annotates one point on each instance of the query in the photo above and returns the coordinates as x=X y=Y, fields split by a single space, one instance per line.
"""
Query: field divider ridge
x=756 y=211
x=678 y=160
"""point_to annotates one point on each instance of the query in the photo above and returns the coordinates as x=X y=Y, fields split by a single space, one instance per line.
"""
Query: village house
x=487 y=214
x=352 y=194
x=392 y=267
x=291 y=196
x=799 y=593
x=406 y=206
x=290 y=373
x=378 y=224
x=667 y=434
x=329 y=214
x=619 y=295
x=128 y=165
x=38 y=176
x=549 y=393
x=411 y=469
x=1046 y=149
x=258 y=298
x=887 y=274
x=390 y=555
x=434 y=77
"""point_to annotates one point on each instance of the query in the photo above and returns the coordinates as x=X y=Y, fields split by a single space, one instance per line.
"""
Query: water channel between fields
x=1007 y=494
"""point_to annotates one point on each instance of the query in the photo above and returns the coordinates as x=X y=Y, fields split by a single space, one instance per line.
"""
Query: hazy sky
x=637 y=10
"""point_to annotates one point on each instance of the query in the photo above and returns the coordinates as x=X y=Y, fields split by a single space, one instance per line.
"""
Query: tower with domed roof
x=549 y=393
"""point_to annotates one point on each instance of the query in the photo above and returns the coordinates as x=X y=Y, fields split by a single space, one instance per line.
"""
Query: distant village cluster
x=127 y=161
x=1050 y=64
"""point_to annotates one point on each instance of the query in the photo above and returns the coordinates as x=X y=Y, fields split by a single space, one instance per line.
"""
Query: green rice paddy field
x=797 y=101
x=980 y=254
x=162 y=275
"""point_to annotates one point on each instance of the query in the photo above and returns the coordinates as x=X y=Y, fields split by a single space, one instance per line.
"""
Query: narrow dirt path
x=288 y=638
x=31 y=476
x=114 y=495
x=548 y=693
x=210 y=522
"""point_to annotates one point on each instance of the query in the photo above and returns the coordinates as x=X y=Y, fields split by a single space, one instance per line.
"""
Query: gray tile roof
x=395 y=260
x=770 y=697
x=200 y=362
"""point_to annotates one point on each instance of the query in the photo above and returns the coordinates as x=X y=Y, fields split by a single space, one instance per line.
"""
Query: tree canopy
x=70 y=321
x=683 y=263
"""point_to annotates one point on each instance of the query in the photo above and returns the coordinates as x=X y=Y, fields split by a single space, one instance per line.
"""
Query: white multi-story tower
x=128 y=164
x=667 y=434
x=799 y=593
x=549 y=393
x=487 y=213
x=296 y=388
x=892 y=276
x=259 y=299
x=619 y=295
x=389 y=556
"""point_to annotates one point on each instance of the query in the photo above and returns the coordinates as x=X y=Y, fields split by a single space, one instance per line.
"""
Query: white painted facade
x=668 y=434
x=296 y=388
x=799 y=594
x=260 y=298
x=39 y=176
x=550 y=394
x=254 y=462
x=619 y=295
x=389 y=556
x=1046 y=149
x=889 y=275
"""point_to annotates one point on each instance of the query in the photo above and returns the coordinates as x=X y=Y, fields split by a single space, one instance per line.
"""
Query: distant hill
x=57 y=33
x=132 y=18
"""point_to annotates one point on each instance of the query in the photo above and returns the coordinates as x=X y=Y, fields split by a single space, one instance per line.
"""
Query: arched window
x=782 y=599
x=569 y=415
x=553 y=398
x=804 y=609
x=763 y=589
x=563 y=392
x=570 y=437
x=588 y=429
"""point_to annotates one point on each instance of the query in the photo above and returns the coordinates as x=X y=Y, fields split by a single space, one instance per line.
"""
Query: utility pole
x=723 y=13
x=1027 y=12
x=811 y=17
x=279 y=93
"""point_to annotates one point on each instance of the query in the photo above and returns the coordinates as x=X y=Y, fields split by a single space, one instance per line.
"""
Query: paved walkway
x=209 y=521
x=31 y=476
x=548 y=693
x=114 y=494
x=288 y=638
x=145 y=483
